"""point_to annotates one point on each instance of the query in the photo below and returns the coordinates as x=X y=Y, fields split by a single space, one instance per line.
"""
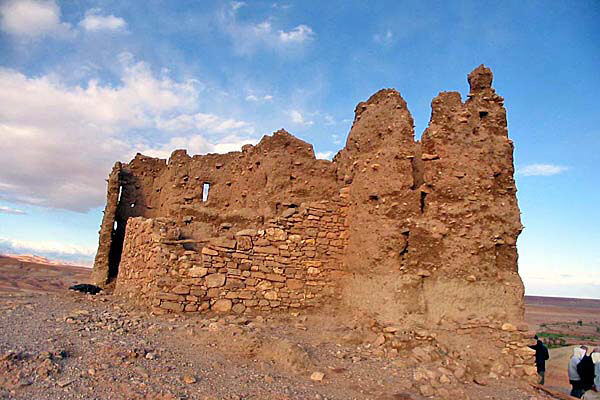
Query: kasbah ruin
x=419 y=237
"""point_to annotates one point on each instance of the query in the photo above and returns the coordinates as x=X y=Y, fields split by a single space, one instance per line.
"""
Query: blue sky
x=86 y=83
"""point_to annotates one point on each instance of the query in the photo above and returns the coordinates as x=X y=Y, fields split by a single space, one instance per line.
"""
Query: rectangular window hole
x=205 y=189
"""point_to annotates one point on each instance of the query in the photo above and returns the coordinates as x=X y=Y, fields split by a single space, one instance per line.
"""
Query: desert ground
x=60 y=344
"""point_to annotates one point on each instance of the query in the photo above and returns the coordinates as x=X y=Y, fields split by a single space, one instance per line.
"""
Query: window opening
x=205 y=189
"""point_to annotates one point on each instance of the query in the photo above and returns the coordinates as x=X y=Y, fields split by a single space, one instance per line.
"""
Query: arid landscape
x=230 y=199
x=60 y=344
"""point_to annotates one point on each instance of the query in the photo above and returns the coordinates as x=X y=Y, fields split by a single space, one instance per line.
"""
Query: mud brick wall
x=294 y=262
x=418 y=235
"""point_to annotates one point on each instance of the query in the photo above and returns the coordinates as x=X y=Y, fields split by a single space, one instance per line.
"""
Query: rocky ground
x=74 y=346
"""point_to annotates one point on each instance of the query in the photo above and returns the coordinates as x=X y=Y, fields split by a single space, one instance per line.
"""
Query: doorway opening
x=116 y=248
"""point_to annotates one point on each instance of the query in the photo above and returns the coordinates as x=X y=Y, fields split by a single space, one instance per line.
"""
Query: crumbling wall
x=245 y=189
x=418 y=236
x=471 y=218
x=102 y=267
x=294 y=262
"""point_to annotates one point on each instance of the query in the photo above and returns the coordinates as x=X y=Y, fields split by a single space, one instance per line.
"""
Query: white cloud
x=198 y=144
x=248 y=37
x=254 y=98
x=324 y=155
x=203 y=122
x=9 y=210
x=94 y=21
x=385 y=38
x=297 y=118
x=541 y=170
x=336 y=139
x=299 y=34
x=32 y=18
x=329 y=120
x=235 y=5
x=59 y=141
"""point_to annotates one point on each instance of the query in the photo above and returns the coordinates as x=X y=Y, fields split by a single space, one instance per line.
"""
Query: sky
x=86 y=83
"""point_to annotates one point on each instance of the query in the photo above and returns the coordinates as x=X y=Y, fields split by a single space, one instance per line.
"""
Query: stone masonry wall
x=294 y=262
x=420 y=236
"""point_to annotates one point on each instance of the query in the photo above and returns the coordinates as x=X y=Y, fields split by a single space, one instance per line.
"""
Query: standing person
x=574 y=378
x=585 y=369
x=541 y=355
x=595 y=393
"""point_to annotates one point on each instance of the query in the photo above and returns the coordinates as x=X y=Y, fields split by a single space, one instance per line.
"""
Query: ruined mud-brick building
x=420 y=236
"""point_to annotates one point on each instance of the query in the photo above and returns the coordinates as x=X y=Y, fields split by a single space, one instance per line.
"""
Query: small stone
x=64 y=382
x=271 y=295
x=288 y=213
x=459 y=372
x=471 y=278
x=198 y=272
x=209 y=252
x=529 y=370
x=247 y=232
x=91 y=372
x=181 y=289
x=481 y=380
x=150 y=356
x=222 y=305
x=317 y=376
x=238 y=308
x=189 y=379
x=426 y=390
x=509 y=327
x=429 y=157
x=215 y=280
x=380 y=340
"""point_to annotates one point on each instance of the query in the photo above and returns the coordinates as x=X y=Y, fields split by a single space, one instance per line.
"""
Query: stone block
x=245 y=294
x=275 y=277
x=247 y=232
x=198 y=272
x=171 y=306
x=224 y=242
x=266 y=249
x=294 y=284
x=238 y=308
x=181 y=289
x=209 y=252
x=270 y=295
x=215 y=280
x=244 y=243
x=222 y=305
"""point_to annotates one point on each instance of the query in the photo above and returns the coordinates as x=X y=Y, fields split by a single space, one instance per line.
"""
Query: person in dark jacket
x=541 y=355
x=586 y=372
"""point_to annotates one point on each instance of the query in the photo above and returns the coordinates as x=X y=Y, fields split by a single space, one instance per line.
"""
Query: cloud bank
x=60 y=141
x=51 y=250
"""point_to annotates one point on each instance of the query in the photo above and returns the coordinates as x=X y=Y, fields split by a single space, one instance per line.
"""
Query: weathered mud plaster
x=416 y=235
